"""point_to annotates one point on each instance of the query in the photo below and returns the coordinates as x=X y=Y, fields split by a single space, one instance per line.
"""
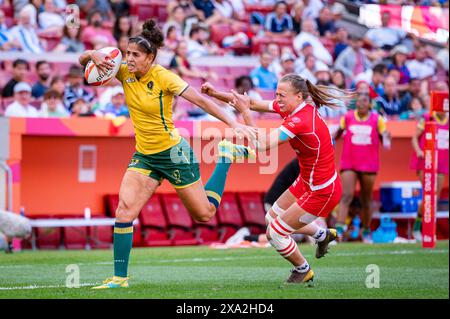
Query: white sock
x=320 y=234
x=303 y=267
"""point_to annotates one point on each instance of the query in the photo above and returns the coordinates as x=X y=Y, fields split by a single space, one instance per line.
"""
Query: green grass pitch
x=405 y=271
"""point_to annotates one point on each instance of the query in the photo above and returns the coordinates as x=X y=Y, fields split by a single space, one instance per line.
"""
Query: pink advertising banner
x=429 y=23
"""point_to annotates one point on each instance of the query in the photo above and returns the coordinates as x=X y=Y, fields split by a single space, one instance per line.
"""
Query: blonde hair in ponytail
x=320 y=94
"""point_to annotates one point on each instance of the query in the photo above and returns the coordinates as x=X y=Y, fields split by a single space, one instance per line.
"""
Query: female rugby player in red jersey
x=317 y=190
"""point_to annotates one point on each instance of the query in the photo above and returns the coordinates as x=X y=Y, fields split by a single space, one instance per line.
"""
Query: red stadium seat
x=220 y=31
x=48 y=237
x=101 y=237
x=252 y=211
x=179 y=221
x=75 y=237
x=154 y=224
x=267 y=94
x=229 y=216
x=207 y=233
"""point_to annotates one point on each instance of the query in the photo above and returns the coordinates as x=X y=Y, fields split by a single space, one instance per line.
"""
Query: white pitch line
x=42 y=287
x=201 y=260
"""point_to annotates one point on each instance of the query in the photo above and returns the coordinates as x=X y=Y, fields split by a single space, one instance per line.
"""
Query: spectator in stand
x=312 y=8
x=52 y=105
x=288 y=64
x=171 y=39
x=399 y=55
x=199 y=45
x=21 y=106
x=19 y=72
x=81 y=108
x=211 y=15
x=338 y=79
x=181 y=65
x=25 y=34
x=226 y=11
x=415 y=110
x=325 y=23
x=74 y=90
x=274 y=50
x=120 y=7
x=279 y=22
x=44 y=71
x=306 y=50
x=342 y=41
x=191 y=13
x=57 y=84
x=363 y=130
x=262 y=78
x=33 y=8
x=244 y=85
x=322 y=73
x=389 y=103
x=103 y=6
x=50 y=21
x=414 y=91
x=442 y=58
x=375 y=77
x=352 y=61
x=296 y=14
x=422 y=67
x=117 y=106
x=386 y=37
x=310 y=69
x=6 y=43
x=94 y=35
x=175 y=21
x=122 y=46
x=309 y=34
x=122 y=27
x=71 y=41
x=337 y=9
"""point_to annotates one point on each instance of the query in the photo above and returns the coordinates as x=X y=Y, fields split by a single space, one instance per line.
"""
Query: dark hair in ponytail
x=150 y=39
x=320 y=94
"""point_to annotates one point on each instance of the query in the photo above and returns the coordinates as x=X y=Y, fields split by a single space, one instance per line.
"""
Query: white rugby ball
x=96 y=78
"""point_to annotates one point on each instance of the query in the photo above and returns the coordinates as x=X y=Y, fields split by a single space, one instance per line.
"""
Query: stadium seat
x=252 y=211
x=267 y=94
x=219 y=31
x=48 y=237
x=207 y=233
x=229 y=216
x=154 y=224
x=75 y=237
x=179 y=221
x=101 y=237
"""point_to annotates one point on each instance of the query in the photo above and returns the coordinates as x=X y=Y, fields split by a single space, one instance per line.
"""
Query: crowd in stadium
x=305 y=37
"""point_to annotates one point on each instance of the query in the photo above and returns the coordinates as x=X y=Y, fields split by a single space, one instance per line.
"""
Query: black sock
x=251 y=237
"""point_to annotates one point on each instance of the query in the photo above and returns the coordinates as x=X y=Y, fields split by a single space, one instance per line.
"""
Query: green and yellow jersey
x=149 y=101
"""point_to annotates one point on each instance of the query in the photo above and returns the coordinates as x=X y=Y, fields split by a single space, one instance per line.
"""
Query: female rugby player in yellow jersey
x=160 y=151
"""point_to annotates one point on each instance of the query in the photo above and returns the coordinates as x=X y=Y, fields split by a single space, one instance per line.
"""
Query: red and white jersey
x=311 y=140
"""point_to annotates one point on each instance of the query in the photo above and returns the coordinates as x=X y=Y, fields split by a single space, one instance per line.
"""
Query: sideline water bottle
x=356 y=226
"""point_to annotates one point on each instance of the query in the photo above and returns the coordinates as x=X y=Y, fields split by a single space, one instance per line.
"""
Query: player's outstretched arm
x=212 y=108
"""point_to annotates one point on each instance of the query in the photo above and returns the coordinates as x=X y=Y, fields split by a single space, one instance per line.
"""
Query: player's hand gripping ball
x=94 y=76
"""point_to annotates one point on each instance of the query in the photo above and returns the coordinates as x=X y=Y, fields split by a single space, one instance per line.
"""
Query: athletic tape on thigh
x=307 y=218
x=279 y=233
x=277 y=210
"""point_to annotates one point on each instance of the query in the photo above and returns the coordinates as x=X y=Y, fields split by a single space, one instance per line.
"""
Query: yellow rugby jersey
x=149 y=101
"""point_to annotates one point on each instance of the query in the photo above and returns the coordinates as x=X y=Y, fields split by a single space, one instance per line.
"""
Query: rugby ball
x=96 y=78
